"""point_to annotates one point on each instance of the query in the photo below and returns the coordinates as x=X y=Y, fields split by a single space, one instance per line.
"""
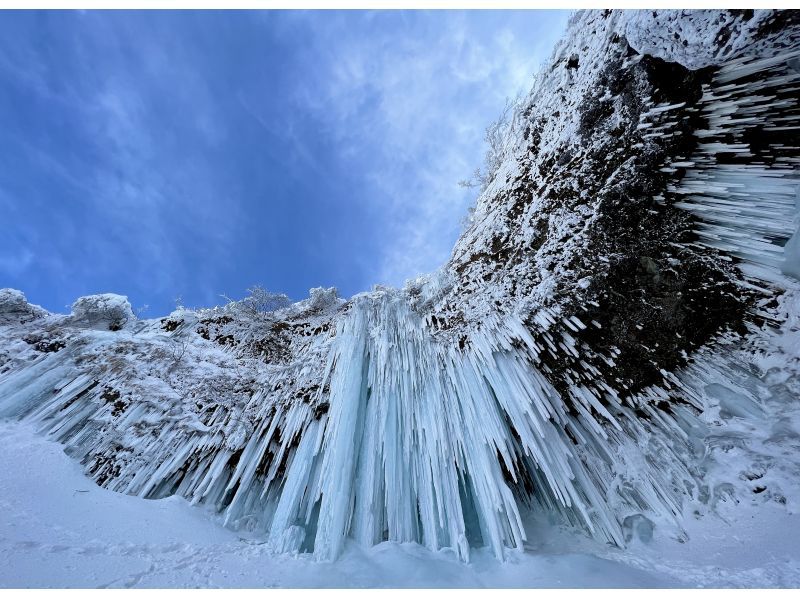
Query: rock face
x=628 y=248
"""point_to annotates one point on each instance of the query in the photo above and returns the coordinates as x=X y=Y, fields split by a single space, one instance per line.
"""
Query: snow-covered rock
x=106 y=310
x=698 y=38
x=15 y=307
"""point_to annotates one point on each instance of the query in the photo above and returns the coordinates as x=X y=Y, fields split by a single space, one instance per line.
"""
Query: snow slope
x=612 y=347
x=61 y=530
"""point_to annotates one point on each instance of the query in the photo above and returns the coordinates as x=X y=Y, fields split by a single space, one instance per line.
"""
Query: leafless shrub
x=495 y=137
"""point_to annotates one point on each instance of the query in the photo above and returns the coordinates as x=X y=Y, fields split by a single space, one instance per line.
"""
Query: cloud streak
x=413 y=109
x=163 y=153
x=134 y=196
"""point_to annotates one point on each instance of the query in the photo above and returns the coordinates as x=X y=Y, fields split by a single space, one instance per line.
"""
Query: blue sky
x=191 y=154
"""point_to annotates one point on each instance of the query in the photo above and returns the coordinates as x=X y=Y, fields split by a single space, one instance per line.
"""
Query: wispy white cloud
x=411 y=110
x=130 y=93
x=16 y=263
x=166 y=152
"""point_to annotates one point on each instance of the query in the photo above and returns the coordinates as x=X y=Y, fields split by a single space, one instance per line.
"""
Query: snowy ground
x=58 y=529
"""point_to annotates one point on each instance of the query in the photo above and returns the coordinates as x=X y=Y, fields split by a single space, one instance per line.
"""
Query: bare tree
x=178 y=351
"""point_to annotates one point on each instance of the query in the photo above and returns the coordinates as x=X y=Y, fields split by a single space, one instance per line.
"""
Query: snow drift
x=625 y=272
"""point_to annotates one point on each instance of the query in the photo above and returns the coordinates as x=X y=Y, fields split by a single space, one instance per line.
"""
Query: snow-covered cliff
x=618 y=315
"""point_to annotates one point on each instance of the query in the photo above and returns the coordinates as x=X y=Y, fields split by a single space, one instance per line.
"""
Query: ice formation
x=626 y=261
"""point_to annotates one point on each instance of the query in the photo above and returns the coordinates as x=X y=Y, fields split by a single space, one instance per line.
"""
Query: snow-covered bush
x=107 y=310
x=495 y=138
x=260 y=300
